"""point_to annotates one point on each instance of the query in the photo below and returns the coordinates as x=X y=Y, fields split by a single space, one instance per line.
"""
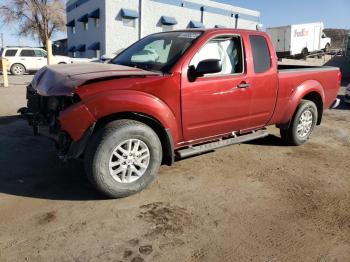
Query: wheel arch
x=310 y=90
x=13 y=64
x=317 y=99
x=163 y=133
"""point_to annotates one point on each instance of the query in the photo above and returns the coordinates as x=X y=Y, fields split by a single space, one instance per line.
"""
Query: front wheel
x=302 y=124
x=123 y=158
x=17 y=69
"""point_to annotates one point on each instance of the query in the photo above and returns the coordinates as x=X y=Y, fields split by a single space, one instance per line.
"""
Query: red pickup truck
x=172 y=95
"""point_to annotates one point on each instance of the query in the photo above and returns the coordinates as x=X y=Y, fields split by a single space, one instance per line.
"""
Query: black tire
x=62 y=63
x=100 y=150
x=17 y=69
x=327 y=47
x=304 y=53
x=291 y=135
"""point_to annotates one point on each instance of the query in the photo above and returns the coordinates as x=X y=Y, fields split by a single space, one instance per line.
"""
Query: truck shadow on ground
x=30 y=168
x=270 y=140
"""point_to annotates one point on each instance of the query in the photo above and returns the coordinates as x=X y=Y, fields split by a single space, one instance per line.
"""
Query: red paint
x=206 y=108
x=76 y=119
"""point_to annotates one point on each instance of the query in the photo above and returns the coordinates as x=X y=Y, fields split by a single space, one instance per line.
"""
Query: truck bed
x=294 y=77
x=303 y=68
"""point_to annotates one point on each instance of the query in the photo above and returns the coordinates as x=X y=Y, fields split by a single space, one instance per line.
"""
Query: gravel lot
x=259 y=201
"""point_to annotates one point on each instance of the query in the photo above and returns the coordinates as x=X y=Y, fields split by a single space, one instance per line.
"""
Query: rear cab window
x=10 y=52
x=261 y=53
x=27 y=53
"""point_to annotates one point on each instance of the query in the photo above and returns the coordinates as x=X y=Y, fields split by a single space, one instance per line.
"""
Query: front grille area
x=43 y=111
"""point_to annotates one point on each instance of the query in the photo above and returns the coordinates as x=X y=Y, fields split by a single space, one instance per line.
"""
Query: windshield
x=158 y=52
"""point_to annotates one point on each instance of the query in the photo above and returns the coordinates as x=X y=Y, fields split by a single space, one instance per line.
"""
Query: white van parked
x=29 y=59
x=302 y=39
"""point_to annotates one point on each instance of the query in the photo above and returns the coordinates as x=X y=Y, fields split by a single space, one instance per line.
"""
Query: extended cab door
x=263 y=77
x=217 y=103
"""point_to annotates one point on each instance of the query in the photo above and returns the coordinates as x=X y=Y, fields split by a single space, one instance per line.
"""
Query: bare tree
x=36 y=18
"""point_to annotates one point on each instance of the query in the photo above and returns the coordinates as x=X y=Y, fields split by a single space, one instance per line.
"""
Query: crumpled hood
x=61 y=80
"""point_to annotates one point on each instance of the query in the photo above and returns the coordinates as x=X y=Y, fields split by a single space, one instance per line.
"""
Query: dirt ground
x=259 y=201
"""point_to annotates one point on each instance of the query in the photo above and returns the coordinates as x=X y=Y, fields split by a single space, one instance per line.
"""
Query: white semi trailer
x=299 y=40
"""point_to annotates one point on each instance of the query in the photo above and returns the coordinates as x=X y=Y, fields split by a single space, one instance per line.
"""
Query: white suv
x=29 y=59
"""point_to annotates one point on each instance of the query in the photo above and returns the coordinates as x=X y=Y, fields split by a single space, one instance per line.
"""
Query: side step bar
x=196 y=150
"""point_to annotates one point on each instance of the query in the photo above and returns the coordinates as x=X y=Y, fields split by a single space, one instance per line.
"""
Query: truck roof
x=223 y=29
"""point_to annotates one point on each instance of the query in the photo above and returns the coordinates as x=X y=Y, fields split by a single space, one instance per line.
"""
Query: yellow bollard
x=4 y=66
x=49 y=52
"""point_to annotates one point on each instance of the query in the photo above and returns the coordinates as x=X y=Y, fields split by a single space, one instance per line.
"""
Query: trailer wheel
x=304 y=53
x=327 y=47
x=302 y=124
x=123 y=158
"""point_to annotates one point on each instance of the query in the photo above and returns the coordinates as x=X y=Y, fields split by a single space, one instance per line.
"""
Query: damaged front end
x=42 y=113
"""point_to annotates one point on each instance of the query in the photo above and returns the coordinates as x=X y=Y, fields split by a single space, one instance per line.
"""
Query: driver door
x=219 y=103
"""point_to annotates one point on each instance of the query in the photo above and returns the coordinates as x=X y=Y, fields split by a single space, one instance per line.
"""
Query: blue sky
x=334 y=14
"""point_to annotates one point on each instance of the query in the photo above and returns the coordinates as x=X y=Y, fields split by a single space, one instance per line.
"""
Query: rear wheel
x=17 y=69
x=304 y=53
x=302 y=124
x=123 y=158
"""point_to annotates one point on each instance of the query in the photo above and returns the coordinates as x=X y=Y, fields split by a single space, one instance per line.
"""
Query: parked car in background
x=197 y=90
x=29 y=59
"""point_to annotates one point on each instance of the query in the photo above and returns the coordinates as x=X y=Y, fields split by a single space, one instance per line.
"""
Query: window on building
x=228 y=49
x=73 y=29
x=27 y=53
x=11 y=52
x=261 y=53
x=167 y=28
x=129 y=22
x=95 y=15
x=85 y=20
x=129 y=17
x=168 y=23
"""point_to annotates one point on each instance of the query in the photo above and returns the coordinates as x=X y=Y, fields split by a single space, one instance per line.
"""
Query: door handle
x=243 y=85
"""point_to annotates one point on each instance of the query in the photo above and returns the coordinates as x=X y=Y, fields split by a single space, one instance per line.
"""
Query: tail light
x=339 y=77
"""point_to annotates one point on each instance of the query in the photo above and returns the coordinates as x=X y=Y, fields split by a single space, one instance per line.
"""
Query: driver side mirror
x=208 y=66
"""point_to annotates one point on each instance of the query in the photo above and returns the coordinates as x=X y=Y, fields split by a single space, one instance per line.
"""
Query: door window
x=40 y=53
x=228 y=49
x=27 y=53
